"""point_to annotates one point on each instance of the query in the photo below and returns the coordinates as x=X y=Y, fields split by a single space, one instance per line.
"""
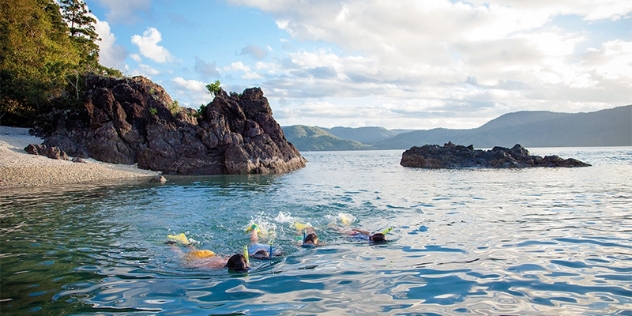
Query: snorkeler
x=366 y=235
x=237 y=263
x=257 y=250
x=203 y=258
x=310 y=239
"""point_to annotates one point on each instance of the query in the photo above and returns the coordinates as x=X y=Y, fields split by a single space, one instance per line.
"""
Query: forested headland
x=46 y=51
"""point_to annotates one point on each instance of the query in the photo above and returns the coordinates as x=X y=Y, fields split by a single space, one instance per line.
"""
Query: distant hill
x=309 y=138
x=423 y=137
x=365 y=135
x=610 y=127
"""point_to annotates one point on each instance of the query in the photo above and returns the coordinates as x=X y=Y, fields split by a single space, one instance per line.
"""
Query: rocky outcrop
x=133 y=120
x=452 y=156
x=52 y=152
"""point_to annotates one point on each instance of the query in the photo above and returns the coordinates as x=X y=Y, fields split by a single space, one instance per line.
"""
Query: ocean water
x=528 y=242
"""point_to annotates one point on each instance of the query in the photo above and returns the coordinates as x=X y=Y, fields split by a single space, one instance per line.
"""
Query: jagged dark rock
x=452 y=156
x=78 y=160
x=52 y=152
x=133 y=120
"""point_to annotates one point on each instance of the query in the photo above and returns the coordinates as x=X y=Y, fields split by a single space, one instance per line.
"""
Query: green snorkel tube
x=246 y=255
x=388 y=230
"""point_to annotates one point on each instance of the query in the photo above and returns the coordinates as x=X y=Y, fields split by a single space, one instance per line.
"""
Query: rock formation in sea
x=133 y=120
x=452 y=156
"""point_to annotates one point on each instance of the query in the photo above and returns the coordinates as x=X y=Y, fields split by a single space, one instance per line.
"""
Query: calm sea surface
x=533 y=241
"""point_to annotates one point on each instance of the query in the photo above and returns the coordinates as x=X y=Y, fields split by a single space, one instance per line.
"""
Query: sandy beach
x=20 y=169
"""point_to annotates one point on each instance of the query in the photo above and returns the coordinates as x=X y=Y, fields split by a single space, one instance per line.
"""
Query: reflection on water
x=537 y=241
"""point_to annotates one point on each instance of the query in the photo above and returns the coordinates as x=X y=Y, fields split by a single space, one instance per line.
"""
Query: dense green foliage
x=45 y=52
x=214 y=87
x=82 y=32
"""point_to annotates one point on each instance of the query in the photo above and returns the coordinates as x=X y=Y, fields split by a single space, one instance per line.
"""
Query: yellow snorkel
x=301 y=226
x=246 y=255
x=181 y=238
x=253 y=227
x=386 y=231
x=346 y=219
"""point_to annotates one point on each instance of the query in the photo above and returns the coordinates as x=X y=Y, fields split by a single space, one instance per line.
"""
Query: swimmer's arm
x=216 y=262
x=363 y=232
x=254 y=238
x=176 y=250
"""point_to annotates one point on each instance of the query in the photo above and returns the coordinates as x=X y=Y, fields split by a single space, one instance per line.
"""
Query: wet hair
x=378 y=237
x=237 y=262
x=261 y=254
x=311 y=237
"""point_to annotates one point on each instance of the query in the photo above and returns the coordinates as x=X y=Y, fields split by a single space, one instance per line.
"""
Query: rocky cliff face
x=133 y=120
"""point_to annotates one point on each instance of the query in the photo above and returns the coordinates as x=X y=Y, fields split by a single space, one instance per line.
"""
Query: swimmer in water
x=258 y=250
x=207 y=259
x=310 y=239
x=364 y=235
x=237 y=263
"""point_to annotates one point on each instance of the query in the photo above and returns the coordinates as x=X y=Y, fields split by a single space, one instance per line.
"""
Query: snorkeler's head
x=378 y=237
x=311 y=239
x=237 y=262
x=261 y=254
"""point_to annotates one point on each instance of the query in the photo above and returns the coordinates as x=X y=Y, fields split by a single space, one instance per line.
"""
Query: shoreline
x=19 y=169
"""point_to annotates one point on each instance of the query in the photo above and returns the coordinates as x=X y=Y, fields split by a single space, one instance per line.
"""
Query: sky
x=397 y=64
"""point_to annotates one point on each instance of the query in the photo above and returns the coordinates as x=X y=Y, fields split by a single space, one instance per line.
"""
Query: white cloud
x=282 y=24
x=205 y=69
x=145 y=71
x=190 y=85
x=241 y=67
x=254 y=51
x=492 y=56
x=192 y=90
x=136 y=58
x=110 y=54
x=588 y=9
x=388 y=113
x=148 y=45
x=127 y=11
x=614 y=61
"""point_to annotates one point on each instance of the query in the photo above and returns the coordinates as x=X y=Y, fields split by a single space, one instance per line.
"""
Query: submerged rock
x=452 y=156
x=133 y=120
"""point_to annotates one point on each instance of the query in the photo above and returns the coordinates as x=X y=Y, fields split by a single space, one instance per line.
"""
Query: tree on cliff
x=84 y=36
x=35 y=55
x=43 y=56
x=214 y=87
x=82 y=32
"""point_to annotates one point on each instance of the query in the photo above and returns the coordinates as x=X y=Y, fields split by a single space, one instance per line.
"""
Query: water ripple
x=543 y=241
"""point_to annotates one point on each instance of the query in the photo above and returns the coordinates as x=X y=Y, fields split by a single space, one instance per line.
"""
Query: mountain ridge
x=608 y=127
x=312 y=138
